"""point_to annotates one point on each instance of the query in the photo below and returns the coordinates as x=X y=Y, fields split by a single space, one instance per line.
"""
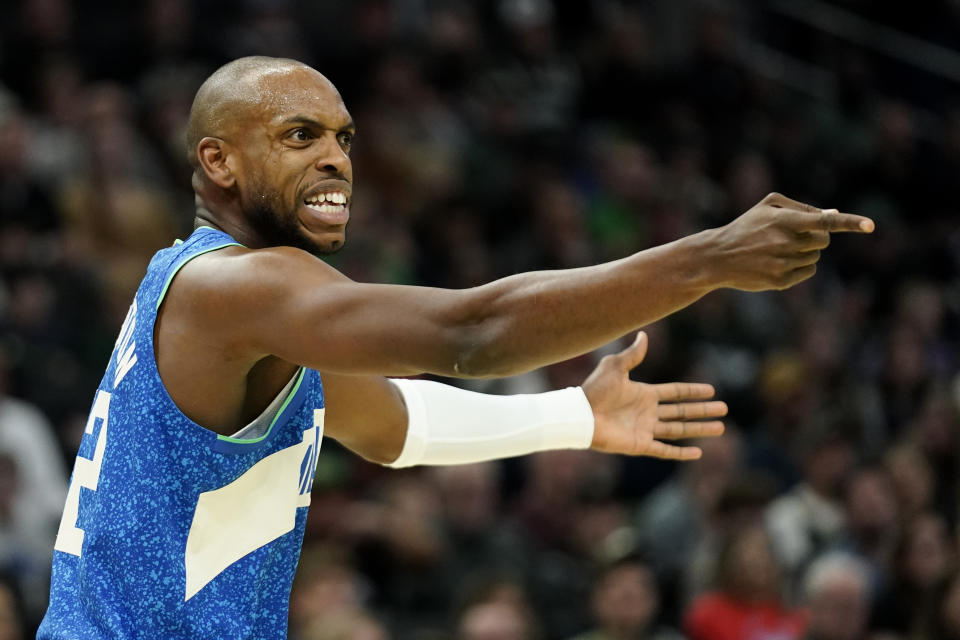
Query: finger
x=834 y=221
x=679 y=391
x=778 y=199
x=692 y=410
x=802 y=260
x=799 y=275
x=827 y=220
x=814 y=240
x=632 y=355
x=658 y=449
x=681 y=430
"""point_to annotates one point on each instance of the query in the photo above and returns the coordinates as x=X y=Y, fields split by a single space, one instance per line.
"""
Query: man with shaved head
x=241 y=349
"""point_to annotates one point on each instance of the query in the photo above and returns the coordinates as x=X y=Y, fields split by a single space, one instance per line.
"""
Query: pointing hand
x=777 y=243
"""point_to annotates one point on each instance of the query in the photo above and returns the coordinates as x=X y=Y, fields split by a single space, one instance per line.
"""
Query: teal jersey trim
x=176 y=269
x=276 y=418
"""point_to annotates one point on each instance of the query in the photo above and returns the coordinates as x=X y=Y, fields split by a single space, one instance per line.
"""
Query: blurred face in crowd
x=912 y=479
x=827 y=466
x=838 y=610
x=626 y=600
x=493 y=621
x=871 y=504
x=323 y=587
x=927 y=554
x=749 y=570
x=353 y=625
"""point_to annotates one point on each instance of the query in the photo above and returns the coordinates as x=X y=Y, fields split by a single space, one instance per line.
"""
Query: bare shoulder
x=237 y=270
x=240 y=280
x=225 y=295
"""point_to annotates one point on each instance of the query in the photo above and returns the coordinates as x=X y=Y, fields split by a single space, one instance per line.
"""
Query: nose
x=333 y=158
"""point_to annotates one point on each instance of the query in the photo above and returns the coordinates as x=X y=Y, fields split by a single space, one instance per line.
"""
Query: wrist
x=699 y=261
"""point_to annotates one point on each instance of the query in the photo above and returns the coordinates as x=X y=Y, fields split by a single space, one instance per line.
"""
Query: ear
x=212 y=153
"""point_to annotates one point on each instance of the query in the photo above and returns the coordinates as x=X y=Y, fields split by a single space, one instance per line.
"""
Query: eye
x=301 y=135
x=345 y=139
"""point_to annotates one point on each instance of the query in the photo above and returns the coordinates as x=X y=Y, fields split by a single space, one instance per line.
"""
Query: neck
x=239 y=232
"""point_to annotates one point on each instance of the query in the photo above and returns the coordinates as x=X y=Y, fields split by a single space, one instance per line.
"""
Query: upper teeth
x=333 y=197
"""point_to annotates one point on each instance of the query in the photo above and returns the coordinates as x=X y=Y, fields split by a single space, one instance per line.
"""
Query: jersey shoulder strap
x=167 y=263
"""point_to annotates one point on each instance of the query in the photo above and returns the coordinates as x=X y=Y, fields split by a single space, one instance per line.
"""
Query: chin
x=330 y=248
x=328 y=244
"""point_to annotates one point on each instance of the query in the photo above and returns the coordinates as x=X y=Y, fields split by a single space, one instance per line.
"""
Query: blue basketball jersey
x=169 y=530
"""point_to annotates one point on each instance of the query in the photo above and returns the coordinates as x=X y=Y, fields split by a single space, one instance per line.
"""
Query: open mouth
x=329 y=202
x=330 y=207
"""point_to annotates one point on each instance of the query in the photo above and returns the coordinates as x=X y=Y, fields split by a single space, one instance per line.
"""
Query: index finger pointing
x=831 y=220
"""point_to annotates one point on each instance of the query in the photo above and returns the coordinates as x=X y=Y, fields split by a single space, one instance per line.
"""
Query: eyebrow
x=302 y=119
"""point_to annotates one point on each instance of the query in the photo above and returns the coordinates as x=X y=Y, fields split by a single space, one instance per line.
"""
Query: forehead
x=304 y=92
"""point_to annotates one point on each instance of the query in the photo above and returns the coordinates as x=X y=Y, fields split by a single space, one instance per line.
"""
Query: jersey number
x=86 y=475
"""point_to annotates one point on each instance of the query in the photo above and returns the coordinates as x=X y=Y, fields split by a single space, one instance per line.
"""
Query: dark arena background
x=510 y=135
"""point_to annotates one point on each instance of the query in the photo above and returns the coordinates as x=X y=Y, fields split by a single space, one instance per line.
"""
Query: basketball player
x=187 y=504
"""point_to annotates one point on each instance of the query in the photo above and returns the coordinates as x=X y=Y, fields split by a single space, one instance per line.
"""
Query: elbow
x=475 y=364
x=483 y=336
x=483 y=352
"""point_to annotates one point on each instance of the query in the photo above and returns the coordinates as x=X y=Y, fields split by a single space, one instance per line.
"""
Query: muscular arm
x=295 y=307
x=286 y=303
x=365 y=414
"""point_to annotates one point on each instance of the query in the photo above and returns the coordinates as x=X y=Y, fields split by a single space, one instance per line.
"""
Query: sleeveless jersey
x=171 y=531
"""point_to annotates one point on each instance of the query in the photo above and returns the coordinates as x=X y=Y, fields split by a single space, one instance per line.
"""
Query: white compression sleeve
x=447 y=425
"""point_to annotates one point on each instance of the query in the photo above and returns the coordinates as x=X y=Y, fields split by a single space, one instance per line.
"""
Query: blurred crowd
x=510 y=135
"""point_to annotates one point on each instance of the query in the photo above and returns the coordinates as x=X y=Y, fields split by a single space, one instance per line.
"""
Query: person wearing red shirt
x=746 y=604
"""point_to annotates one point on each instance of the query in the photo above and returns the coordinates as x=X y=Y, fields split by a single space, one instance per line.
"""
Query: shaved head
x=269 y=140
x=230 y=91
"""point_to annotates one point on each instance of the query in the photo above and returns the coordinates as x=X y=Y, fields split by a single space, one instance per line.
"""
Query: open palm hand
x=633 y=417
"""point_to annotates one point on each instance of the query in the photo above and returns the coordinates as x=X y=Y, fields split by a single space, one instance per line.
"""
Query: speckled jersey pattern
x=171 y=531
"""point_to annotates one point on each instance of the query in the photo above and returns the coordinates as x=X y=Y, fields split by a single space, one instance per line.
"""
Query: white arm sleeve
x=447 y=425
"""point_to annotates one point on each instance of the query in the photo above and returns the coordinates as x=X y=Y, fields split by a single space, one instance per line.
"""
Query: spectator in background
x=741 y=506
x=872 y=527
x=674 y=520
x=497 y=610
x=945 y=625
x=912 y=478
x=836 y=590
x=474 y=538
x=350 y=625
x=494 y=621
x=625 y=605
x=118 y=211
x=809 y=518
x=12 y=614
x=678 y=122
x=746 y=603
x=328 y=590
x=27 y=438
x=399 y=547
x=923 y=563
x=32 y=493
x=935 y=431
x=26 y=205
x=564 y=492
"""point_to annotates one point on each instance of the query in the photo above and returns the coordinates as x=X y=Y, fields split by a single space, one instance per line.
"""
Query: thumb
x=634 y=354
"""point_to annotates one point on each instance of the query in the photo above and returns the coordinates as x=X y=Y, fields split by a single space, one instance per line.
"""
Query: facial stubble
x=279 y=227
